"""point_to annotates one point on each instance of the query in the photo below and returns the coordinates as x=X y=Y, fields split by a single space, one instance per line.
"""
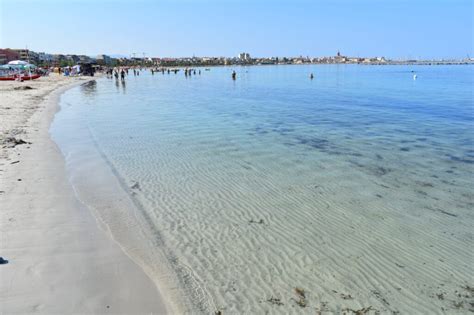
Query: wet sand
x=59 y=260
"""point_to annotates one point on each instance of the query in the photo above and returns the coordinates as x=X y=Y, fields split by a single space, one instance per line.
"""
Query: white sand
x=60 y=261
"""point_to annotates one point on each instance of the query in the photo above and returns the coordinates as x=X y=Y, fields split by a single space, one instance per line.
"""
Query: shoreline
x=109 y=197
x=59 y=259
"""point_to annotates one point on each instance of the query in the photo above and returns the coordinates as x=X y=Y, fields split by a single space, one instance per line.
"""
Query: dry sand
x=59 y=260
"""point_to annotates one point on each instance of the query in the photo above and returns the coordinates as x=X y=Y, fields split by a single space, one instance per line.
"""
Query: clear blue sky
x=391 y=28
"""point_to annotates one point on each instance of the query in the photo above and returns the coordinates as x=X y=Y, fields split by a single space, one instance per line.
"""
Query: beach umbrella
x=27 y=66
x=18 y=62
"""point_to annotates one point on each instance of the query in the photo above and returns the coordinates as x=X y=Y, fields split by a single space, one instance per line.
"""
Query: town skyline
x=47 y=60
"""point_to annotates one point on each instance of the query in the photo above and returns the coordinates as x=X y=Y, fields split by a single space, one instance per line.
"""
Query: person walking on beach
x=122 y=75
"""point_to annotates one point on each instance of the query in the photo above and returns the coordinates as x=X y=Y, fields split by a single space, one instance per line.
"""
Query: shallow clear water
x=357 y=183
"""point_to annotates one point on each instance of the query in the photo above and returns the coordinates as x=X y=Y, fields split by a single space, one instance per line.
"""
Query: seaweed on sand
x=275 y=301
x=301 y=294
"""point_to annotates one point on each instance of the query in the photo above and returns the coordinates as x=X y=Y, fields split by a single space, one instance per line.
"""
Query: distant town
x=43 y=59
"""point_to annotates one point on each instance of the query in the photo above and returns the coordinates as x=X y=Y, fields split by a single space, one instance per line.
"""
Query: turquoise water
x=357 y=183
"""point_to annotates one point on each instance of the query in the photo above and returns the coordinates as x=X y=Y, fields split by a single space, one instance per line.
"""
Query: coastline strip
x=59 y=260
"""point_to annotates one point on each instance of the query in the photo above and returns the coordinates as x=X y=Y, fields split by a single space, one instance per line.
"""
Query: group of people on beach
x=122 y=72
x=163 y=70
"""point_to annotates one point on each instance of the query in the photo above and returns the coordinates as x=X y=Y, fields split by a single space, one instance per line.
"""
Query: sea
x=277 y=193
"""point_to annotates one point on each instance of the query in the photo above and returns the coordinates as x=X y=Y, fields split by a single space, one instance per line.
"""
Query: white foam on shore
x=102 y=191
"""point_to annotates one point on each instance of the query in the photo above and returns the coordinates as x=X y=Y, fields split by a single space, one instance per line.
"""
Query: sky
x=264 y=28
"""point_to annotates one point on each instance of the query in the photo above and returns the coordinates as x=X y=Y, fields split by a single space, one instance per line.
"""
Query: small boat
x=20 y=78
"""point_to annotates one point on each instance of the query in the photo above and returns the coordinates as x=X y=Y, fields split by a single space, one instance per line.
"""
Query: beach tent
x=18 y=66
x=18 y=62
x=75 y=70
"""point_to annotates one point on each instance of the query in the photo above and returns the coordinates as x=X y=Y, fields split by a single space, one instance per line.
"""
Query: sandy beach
x=59 y=260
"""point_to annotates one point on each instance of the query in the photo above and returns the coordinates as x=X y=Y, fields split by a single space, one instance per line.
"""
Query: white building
x=44 y=57
x=244 y=57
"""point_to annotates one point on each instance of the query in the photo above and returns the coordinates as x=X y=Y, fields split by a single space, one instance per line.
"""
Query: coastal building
x=85 y=59
x=23 y=53
x=156 y=61
x=7 y=55
x=58 y=58
x=27 y=55
x=72 y=58
x=103 y=60
x=244 y=57
x=44 y=57
x=340 y=58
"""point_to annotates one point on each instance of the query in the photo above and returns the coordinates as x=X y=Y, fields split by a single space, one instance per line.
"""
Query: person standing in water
x=311 y=76
x=234 y=75
x=122 y=74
